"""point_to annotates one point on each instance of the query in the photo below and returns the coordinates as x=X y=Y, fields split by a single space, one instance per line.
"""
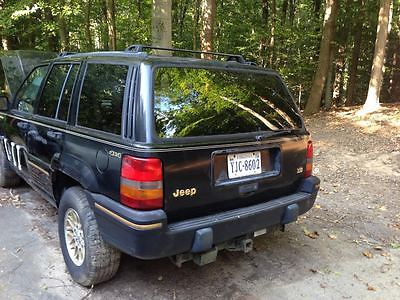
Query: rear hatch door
x=230 y=138
x=16 y=65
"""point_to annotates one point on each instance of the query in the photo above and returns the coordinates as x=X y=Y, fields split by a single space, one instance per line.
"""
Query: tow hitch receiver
x=244 y=244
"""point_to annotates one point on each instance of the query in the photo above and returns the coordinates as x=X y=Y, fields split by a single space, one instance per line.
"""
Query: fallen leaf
x=370 y=287
x=395 y=245
x=368 y=254
x=311 y=234
x=317 y=206
x=332 y=236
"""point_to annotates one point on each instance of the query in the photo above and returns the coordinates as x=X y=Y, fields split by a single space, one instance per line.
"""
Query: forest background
x=331 y=53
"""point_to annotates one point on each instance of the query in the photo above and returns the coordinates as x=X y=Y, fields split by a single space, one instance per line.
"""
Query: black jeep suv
x=157 y=156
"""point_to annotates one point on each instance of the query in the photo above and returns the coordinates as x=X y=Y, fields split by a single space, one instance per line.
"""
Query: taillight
x=141 y=183
x=309 y=159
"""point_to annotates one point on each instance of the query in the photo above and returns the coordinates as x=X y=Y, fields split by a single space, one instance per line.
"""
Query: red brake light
x=141 y=183
x=141 y=169
x=309 y=159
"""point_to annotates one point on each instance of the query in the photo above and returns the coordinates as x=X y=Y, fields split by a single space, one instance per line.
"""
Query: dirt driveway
x=347 y=246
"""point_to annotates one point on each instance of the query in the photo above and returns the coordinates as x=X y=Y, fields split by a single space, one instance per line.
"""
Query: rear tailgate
x=231 y=138
x=197 y=181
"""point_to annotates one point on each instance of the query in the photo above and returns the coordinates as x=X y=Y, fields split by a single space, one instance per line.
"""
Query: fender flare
x=75 y=168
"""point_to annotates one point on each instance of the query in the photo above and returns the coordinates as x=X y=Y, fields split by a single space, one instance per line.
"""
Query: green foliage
x=240 y=27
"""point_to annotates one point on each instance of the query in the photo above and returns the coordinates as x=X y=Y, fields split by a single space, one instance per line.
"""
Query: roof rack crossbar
x=229 y=57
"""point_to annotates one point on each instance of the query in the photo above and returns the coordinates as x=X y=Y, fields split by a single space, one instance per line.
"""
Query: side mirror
x=4 y=103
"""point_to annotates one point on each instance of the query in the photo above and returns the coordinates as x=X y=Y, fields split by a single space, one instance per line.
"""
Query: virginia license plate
x=244 y=164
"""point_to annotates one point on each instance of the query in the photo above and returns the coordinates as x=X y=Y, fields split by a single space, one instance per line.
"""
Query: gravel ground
x=346 y=247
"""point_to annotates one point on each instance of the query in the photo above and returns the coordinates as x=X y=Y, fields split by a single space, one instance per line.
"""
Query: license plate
x=244 y=164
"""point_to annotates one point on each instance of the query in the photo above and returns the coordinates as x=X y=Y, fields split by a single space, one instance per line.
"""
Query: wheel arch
x=71 y=171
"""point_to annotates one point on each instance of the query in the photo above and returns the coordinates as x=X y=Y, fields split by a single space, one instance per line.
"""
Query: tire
x=96 y=261
x=8 y=178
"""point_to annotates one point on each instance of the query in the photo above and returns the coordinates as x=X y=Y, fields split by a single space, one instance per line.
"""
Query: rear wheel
x=89 y=259
x=8 y=178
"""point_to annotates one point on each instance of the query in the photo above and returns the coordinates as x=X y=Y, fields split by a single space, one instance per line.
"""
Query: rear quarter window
x=101 y=98
x=192 y=102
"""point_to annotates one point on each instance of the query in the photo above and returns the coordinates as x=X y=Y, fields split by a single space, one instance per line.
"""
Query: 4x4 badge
x=186 y=192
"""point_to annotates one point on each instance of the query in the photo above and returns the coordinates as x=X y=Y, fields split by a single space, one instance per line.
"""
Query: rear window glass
x=199 y=102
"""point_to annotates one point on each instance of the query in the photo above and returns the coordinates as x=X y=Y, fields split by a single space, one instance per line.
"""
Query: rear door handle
x=54 y=135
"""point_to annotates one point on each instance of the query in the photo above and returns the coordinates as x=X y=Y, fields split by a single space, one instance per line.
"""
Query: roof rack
x=65 y=53
x=229 y=57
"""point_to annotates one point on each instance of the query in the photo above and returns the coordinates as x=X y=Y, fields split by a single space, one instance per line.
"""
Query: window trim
x=60 y=97
x=35 y=112
x=15 y=99
x=126 y=97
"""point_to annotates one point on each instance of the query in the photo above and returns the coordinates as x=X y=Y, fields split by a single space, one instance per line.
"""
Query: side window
x=100 y=104
x=63 y=106
x=27 y=95
x=52 y=90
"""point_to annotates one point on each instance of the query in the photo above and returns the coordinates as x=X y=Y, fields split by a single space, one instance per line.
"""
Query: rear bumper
x=147 y=235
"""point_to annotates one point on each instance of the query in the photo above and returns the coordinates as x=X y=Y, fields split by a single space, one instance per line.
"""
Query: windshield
x=202 y=102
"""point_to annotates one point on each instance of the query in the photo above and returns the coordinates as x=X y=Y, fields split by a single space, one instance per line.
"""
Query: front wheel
x=89 y=259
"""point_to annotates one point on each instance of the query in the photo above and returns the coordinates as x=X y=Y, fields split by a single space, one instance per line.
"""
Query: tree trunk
x=62 y=25
x=394 y=88
x=88 y=34
x=355 y=55
x=161 y=24
x=314 y=100
x=5 y=43
x=272 y=39
x=328 y=86
x=338 y=85
x=112 y=30
x=104 y=26
x=292 y=10
x=208 y=10
x=51 y=35
x=139 y=8
x=317 y=7
x=264 y=25
x=196 y=18
x=284 y=11
x=375 y=82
